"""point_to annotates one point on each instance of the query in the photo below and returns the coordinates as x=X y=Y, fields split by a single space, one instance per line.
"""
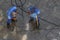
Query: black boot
x=8 y=26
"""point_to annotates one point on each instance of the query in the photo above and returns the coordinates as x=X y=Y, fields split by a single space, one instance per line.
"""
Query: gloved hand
x=14 y=19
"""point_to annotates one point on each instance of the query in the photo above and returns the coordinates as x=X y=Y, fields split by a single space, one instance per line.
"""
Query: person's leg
x=34 y=22
x=14 y=20
x=8 y=23
x=13 y=23
x=38 y=23
x=31 y=19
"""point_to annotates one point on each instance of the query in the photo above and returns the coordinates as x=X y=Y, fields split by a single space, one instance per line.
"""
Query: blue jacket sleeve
x=10 y=11
x=37 y=11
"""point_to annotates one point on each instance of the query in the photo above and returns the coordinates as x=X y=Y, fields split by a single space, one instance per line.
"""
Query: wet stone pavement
x=50 y=22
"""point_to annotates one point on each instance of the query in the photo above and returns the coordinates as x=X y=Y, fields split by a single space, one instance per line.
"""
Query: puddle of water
x=54 y=39
x=24 y=37
x=5 y=36
x=27 y=26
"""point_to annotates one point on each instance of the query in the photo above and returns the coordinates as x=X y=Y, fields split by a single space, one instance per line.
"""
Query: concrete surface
x=50 y=22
